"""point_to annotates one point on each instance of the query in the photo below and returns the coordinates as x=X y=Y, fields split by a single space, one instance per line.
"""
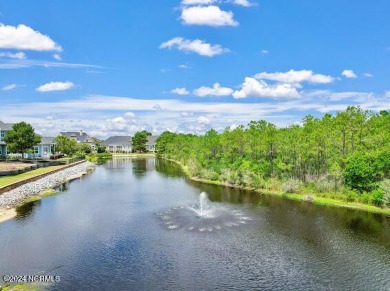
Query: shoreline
x=10 y=211
x=310 y=198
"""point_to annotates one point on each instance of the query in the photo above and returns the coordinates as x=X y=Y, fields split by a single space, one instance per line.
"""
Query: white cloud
x=349 y=74
x=184 y=66
x=9 y=87
x=207 y=15
x=216 y=90
x=57 y=57
x=368 y=75
x=130 y=114
x=195 y=46
x=119 y=119
x=180 y=91
x=21 y=64
x=254 y=88
x=18 y=55
x=203 y=120
x=244 y=3
x=55 y=86
x=23 y=37
x=91 y=113
x=186 y=114
x=387 y=94
x=264 y=52
x=296 y=77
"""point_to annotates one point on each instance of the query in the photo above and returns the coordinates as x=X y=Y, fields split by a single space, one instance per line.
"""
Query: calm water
x=128 y=226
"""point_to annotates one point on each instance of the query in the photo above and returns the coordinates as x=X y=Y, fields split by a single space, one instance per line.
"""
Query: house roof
x=47 y=140
x=5 y=126
x=81 y=136
x=118 y=140
x=152 y=140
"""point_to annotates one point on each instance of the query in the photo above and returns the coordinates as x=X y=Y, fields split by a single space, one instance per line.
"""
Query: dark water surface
x=127 y=226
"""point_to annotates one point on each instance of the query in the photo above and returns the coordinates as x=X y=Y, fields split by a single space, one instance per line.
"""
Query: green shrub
x=80 y=155
x=365 y=198
x=360 y=173
x=350 y=195
x=377 y=198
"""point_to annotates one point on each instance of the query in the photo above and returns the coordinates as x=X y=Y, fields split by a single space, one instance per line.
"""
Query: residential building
x=43 y=149
x=4 y=128
x=151 y=143
x=81 y=137
x=119 y=144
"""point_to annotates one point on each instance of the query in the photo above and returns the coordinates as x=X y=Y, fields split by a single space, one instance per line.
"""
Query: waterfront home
x=81 y=137
x=151 y=143
x=119 y=144
x=44 y=149
x=4 y=128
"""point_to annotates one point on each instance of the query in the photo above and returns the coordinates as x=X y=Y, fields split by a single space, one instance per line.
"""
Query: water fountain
x=204 y=216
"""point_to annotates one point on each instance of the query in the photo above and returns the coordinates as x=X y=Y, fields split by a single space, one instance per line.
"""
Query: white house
x=119 y=144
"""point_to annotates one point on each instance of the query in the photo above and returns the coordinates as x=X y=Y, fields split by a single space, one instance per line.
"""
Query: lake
x=134 y=224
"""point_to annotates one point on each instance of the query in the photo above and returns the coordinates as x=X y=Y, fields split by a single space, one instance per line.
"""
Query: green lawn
x=5 y=181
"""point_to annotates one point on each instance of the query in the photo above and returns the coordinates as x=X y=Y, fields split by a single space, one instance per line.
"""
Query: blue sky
x=115 y=67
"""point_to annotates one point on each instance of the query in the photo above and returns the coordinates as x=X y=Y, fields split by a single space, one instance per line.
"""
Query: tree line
x=347 y=154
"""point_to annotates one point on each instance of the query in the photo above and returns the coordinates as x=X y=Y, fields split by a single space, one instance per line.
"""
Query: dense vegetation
x=346 y=156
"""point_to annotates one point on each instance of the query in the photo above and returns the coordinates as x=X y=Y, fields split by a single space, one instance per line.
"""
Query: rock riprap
x=15 y=197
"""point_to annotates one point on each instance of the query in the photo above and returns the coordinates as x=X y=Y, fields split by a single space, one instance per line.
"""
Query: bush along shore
x=42 y=187
x=341 y=160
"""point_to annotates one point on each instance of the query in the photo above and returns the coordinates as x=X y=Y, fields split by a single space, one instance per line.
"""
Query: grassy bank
x=47 y=193
x=313 y=198
x=5 y=181
x=19 y=287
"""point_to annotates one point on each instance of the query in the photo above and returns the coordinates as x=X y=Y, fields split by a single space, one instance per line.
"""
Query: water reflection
x=117 y=230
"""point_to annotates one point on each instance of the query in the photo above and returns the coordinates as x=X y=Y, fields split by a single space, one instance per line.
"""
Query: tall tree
x=66 y=145
x=21 y=138
x=139 y=141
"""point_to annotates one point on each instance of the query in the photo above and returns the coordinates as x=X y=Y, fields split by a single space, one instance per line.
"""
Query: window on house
x=36 y=150
x=2 y=135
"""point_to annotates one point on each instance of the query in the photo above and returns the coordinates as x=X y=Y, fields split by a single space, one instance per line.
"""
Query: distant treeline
x=348 y=154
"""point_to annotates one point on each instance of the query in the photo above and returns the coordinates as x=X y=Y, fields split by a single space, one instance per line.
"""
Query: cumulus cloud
x=9 y=87
x=195 y=46
x=130 y=114
x=349 y=74
x=22 y=37
x=18 y=55
x=203 y=120
x=254 y=88
x=55 y=86
x=207 y=15
x=180 y=91
x=297 y=77
x=216 y=90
